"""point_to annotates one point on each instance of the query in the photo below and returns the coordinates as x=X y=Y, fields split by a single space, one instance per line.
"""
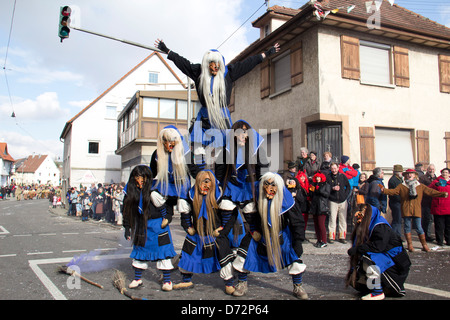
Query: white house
x=90 y=137
x=37 y=169
x=6 y=165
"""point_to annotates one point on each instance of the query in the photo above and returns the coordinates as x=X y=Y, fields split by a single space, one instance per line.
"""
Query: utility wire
x=6 y=58
x=265 y=2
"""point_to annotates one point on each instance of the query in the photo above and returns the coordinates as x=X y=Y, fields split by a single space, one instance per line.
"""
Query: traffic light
x=64 y=22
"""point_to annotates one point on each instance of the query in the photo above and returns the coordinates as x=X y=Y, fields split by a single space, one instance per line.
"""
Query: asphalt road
x=35 y=241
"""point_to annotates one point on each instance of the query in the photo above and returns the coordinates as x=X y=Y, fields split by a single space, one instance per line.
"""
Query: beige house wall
x=420 y=107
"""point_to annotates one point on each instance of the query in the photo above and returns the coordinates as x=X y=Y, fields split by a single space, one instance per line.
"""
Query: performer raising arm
x=213 y=80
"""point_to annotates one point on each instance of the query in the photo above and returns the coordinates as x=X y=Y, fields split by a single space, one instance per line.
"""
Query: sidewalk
x=63 y=212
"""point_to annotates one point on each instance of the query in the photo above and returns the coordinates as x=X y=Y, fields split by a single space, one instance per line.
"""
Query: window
x=153 y=77
x=93 y=147
x=150 y=108
x=167 y=108
x=282 y=71
x=266 y=30
x=375 y=63
x=182 y=110
x=393 y=146
x=111 y=112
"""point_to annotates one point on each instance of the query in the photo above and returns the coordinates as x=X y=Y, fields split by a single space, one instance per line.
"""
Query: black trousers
x=442 y=228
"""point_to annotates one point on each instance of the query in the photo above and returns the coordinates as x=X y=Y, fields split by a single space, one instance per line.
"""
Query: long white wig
x=180 y=169
x=271 y=232
x=216 y=98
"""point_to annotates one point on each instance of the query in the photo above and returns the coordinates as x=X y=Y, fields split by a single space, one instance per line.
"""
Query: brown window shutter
x=265 y=79
x=447 y=149
x=401 y=67
x=423 y=147
x=231 y=106
x=444 y=73
x=288 y=146
x=350 y=57
x=367 y=146
x=296 y=64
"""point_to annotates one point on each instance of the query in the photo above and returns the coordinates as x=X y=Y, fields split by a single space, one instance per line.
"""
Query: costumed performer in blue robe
x=379 y=265
x=147 y=228
x=206 y=247
x=239 y=170
x=171 y=173
x=275 y=238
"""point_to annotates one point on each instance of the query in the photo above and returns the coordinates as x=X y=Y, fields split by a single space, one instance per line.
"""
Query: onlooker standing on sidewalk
x=427 y=218
x=326 y=163
x=374 y=195
x=320 y=191
x=301 y=160
x=440 y=208
x=395 y=201
x=411 y=192
x=74 y=201
x=312 y=165
x=340 y=190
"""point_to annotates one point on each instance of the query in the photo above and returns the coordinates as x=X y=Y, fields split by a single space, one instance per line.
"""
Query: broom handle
x=87 y=280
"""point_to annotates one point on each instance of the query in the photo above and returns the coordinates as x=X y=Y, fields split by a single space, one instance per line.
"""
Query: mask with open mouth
x=214 y=68
x=270 y=189
x=169 y=145
x=205 y=186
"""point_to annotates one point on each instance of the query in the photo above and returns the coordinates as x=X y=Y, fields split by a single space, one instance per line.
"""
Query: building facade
x=37 y=169
x=377 y=93
x=6 y=165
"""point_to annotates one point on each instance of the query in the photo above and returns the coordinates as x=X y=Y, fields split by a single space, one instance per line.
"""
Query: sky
x=49 y=82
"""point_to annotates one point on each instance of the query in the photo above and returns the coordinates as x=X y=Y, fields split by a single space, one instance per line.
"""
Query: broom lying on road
x=69 y=271
x=119 y=280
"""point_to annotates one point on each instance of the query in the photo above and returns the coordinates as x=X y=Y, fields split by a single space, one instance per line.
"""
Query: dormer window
x=266 y=30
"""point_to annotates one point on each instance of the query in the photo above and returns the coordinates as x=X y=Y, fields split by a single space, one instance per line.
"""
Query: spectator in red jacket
x=346 y=168
x=440 y=208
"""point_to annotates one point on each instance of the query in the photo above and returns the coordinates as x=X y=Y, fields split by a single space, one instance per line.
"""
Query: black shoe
x=322 y=245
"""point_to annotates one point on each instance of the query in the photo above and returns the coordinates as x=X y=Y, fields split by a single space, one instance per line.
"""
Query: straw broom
x=69 y=271
x=119 y=280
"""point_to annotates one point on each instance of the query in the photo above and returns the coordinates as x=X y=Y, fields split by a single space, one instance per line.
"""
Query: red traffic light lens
x=66 y=11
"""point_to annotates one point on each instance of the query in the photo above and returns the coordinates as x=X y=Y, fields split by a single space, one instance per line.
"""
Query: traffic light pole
x=116 y=39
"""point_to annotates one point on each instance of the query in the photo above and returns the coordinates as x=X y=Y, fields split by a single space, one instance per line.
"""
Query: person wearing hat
x=394 y=201
x=411 y=192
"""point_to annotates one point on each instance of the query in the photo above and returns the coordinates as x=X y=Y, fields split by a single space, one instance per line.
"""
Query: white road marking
x=72 y=251
x=3 y=230
x=35 y=253
x=8 y=255
x=436 y=292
